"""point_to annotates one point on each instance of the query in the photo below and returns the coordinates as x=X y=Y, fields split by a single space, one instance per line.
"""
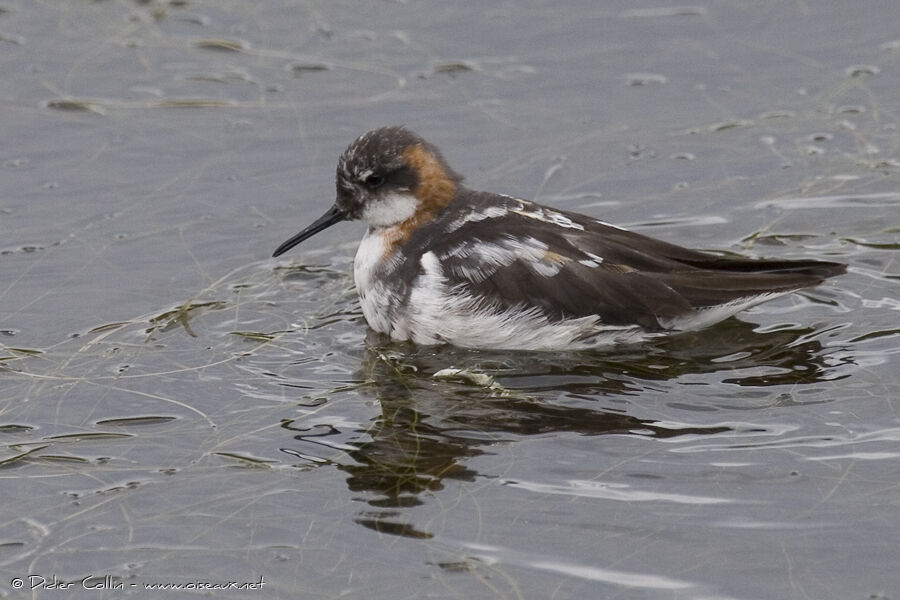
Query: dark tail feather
x=649 y=247
x=814 y=268
x=727 y=280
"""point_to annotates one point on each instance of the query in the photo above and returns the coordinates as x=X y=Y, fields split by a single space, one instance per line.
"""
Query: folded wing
x=582 y=267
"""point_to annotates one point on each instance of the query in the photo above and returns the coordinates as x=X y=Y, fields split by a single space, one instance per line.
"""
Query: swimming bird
x=442 y=263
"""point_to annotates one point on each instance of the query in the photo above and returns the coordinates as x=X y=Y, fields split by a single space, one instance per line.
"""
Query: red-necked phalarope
x=441 y=263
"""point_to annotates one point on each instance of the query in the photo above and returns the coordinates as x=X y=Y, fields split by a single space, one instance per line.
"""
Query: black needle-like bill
x=334 y=215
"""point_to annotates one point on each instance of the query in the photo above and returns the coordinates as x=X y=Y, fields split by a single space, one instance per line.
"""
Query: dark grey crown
x=374 y=164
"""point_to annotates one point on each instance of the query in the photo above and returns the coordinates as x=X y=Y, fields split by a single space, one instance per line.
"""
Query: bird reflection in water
x=429 y=427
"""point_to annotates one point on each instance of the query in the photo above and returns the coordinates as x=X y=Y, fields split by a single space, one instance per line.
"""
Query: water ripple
x=612 y=491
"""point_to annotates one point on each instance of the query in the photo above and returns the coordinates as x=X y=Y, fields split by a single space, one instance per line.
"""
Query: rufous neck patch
x=434 y=191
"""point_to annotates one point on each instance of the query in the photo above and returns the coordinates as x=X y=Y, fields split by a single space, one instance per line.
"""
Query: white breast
x=374 y=295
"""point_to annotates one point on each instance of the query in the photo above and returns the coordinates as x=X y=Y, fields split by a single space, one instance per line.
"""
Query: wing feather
x=570 y=266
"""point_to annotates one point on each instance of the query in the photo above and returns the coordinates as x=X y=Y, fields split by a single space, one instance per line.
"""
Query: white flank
x=437 y=313
x=709 y=316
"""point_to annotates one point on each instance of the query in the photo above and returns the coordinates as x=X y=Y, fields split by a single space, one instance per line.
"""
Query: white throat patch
x=390 y=210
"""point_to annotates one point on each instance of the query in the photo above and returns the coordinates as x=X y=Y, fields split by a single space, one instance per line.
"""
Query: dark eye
x=374 y=180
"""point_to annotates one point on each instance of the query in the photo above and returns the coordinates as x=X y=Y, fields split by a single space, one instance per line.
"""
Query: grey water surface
x=178 y=409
